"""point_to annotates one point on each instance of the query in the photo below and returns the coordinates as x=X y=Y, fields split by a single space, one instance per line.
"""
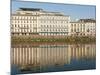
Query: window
x=16 y=17
x=28 y=17
x=71 y=25
x=15 y=25
x=19 y=17
x=13 y=17
x=25 y=17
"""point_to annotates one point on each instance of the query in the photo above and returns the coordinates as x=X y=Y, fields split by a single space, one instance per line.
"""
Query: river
x=51 y=57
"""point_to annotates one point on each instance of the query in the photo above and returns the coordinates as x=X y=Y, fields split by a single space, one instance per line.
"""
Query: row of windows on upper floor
x=80 y=27
x=41 y=18
x=50 y=26
x=24 y=25
x=54 y=30
x=32 y=30
x=41 y=30
x=41 y=26
x=23 y=30
x=57 y=25
x=23 y=17
x=74 y=25
x=77 y=30
x=91 y=24
x=84 y=28
x=35 y=21
x=80 y=30
x=23 y=22
x=53 y=18
x=53 y=21
x=83 y=25
x=19 y=21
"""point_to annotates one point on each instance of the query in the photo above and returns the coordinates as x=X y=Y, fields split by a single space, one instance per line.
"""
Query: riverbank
x=70 y=39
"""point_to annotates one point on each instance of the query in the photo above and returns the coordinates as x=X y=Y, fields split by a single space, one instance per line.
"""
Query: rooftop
x=40 y=9
x=31 y=9
x=86 y=20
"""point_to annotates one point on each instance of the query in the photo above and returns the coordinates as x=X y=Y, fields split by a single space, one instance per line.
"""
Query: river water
x=51 y=57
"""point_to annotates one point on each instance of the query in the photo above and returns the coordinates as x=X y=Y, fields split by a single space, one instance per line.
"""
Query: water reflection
x=26 y=56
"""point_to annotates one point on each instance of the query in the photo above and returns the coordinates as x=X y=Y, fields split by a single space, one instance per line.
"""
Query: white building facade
x=27 y=21
x=83 y=28
x=35 y=21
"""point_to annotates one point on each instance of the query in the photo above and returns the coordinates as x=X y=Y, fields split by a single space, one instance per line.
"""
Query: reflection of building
x=41 y=55
x=29 y=21
x=83 y=27
x=83 y=51
x=45 y=55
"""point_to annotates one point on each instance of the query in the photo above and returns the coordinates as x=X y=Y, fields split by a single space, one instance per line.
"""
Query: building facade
x=36 y=21
x=83 y=28
x=29 y=21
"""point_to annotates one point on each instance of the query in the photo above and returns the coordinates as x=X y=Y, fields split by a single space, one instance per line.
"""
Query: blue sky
x=75 y=11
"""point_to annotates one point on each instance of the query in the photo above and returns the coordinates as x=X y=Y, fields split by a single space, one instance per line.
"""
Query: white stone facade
x=82 y=28
x=29 y=22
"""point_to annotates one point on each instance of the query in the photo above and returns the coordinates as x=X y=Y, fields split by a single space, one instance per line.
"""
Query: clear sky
x=75 y=11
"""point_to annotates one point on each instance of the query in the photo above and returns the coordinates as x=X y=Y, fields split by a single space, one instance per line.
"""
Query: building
x=36 y=21
x=83 y=27
x=77 y=28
